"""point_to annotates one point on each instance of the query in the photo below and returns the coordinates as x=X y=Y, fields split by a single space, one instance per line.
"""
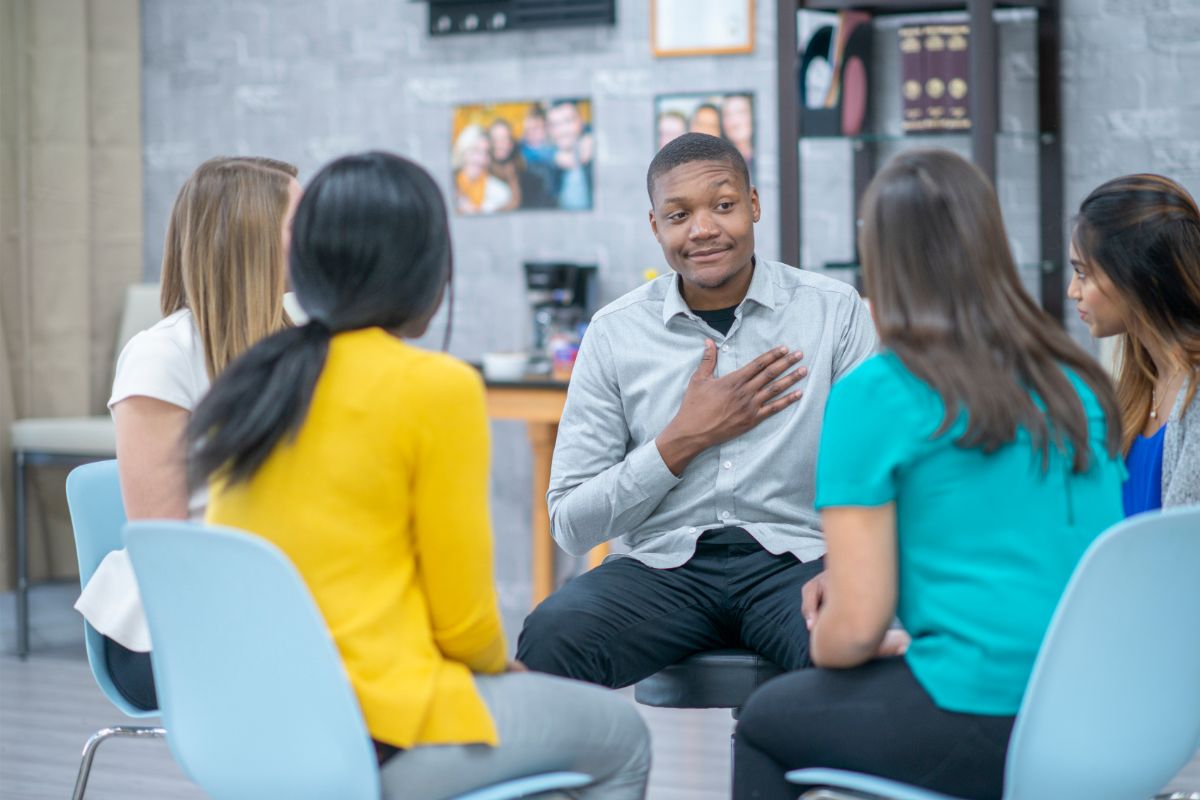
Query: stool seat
x=712 y=679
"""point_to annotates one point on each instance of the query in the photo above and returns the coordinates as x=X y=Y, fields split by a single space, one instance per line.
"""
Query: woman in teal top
x=963 y=472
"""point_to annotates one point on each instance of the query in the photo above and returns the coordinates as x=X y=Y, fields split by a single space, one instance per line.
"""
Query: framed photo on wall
x=701 y=27
x=729 y=115
x=517 y=156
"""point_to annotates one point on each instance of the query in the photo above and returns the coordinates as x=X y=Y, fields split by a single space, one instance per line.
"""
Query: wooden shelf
x=984 y=101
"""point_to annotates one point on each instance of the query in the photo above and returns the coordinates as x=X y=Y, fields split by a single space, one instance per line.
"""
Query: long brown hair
x=1143 y=233
x=948 y=302
x=223 y=258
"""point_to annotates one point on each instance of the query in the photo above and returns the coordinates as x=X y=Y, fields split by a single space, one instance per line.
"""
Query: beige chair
x=67 y=442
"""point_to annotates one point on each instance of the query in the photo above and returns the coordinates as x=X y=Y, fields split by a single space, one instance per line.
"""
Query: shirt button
x=724 y=348
x=724 y=515
x=691 y=530
x=728 y=465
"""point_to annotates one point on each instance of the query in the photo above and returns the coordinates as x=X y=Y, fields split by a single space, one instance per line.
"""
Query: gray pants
x=546 y=724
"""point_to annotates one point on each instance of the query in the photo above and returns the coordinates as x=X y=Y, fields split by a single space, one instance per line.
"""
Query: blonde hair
x=468 y=137
x=223 y=259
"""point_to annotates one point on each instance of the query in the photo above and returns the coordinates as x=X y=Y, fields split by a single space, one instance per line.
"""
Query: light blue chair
x=97 y=516
x=251 y=684
x=1112 y=710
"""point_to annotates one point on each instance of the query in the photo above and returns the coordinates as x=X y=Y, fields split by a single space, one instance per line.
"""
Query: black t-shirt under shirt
x=719 y=319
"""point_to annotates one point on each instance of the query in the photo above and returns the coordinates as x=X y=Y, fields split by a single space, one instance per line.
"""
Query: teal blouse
x=986 y=541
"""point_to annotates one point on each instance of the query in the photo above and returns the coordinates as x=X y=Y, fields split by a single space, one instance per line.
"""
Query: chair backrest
x=251 y=685
x=142 y=309
x=97 y=517
x=97 y=514
x=1112 y=709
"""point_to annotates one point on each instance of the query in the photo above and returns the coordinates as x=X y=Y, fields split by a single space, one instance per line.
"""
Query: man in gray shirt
x=691 y=431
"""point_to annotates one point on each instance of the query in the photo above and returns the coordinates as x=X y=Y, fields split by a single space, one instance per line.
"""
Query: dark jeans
x=875 y=719
x=131 y=674
x=624 y=621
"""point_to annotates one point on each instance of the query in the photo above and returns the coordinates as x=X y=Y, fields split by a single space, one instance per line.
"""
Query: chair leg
x=89 y=749
x=22 y=539
x=733 y=747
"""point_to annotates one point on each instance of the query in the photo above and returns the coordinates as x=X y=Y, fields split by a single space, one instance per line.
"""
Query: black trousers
x=624 y=621
x=131 y=674
x=875 y=719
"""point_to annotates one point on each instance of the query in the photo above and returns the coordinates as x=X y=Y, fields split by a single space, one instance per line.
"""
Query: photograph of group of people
x=729 y=116
x=523 y=155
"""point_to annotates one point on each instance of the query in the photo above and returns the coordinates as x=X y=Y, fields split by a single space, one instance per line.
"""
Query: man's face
x=565 y=125
x=703 y=215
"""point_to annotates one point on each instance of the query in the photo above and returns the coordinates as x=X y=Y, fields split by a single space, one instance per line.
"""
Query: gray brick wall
x=307 y=80
x=1131 y=95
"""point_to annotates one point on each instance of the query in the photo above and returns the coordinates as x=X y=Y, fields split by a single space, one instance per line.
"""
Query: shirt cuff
x=647 y=467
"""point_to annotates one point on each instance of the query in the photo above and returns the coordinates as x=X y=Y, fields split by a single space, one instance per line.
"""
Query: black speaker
x=448 y=17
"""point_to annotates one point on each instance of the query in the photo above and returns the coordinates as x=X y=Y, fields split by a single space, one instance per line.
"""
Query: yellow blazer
x=381 y=502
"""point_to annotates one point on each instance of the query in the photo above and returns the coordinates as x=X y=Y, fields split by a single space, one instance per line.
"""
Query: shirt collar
x=760 y=291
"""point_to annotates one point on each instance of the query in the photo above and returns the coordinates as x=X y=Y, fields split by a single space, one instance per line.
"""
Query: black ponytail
x=370 y=248
x=259 y=399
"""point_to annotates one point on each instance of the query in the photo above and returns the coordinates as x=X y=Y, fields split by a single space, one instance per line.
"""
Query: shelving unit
x=984 y=108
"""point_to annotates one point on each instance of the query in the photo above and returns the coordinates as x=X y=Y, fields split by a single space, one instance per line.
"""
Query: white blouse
x=165 y=362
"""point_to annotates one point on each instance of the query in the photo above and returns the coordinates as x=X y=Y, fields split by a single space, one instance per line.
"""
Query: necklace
x=1154 y=395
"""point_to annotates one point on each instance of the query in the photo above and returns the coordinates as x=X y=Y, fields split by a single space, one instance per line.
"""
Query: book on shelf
x=934 y=67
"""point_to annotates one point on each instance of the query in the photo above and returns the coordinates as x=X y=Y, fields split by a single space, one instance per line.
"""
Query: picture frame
x=727 y=114
x=532 y=155
x=701 y=27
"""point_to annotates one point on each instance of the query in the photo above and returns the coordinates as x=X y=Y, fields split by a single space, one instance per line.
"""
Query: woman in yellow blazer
x=365 y=459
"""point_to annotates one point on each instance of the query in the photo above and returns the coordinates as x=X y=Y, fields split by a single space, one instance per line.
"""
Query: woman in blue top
x=1136 y=254
x=963 y=471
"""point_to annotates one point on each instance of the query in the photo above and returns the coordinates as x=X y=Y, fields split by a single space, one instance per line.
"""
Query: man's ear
x=754 y=206
x=653 y=224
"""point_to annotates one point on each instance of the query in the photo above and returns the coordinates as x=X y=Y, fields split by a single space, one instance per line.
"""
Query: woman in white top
x=223 y=279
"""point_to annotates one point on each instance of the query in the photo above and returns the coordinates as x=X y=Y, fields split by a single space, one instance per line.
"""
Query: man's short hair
x=694 y=147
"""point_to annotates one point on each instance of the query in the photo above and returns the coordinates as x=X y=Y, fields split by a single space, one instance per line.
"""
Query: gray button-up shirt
x=608 y=478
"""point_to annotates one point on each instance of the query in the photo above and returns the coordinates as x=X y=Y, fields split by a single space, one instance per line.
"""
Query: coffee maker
x=561 y=300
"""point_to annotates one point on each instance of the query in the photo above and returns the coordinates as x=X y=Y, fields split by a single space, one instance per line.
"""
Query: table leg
x=597 y=555
x=22 y=554
x=541 y=439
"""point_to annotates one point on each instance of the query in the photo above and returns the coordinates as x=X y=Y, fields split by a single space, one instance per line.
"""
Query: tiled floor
x=49 y=705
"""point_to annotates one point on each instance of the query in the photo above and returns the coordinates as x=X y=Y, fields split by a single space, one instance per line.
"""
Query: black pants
x=624 y=621
x=875 y=719
x=131 y=674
